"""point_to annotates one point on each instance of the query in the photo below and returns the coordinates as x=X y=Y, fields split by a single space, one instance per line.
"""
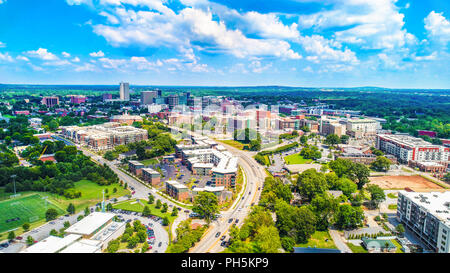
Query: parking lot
x=158 y=238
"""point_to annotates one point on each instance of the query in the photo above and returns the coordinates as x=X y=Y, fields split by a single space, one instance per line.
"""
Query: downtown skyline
x=392 y=44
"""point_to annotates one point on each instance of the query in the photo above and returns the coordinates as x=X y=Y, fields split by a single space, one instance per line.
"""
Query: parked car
x=230 y=220
x=223 y=237
x=237 y=221
x=160 y=244
x=217 y=234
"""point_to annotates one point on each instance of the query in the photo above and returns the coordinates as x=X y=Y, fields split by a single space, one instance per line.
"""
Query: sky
x=310 y=43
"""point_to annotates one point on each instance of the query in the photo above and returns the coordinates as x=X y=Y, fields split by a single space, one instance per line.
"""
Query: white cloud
x=269 y=26
x=438 y=27
x=2 y=1
x=328 y=50
x=77 y=2
x=97 y=54
x=257 y=67
x=2 y=44
x=76 y=60
x=43 y=54
x=66 y=55
x=433 y=56
x=85 y=67
x=375 y=24
x=22 y=58
x=5 y=57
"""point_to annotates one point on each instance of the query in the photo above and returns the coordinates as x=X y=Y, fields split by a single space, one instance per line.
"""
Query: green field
x=320 y=239
x=132 y=205
x=151 y=161
x=296 y=159
x=29 y=208
x=357 y=249
x=91 y=194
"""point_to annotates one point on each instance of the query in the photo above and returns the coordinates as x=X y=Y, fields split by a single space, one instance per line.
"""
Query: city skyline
x=390 y=44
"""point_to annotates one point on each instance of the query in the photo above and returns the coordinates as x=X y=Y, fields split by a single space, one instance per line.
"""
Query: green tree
x=344 y=139
x=324 y=206
x=400 y=229
x=26 y=226
x=310 y=183
x=151 y=199
x=348 y=217
x=71 y=208
x=51 y=214
x=346 y=186
x=66 y=224
x=158 y=204
x=30 y=240
x=86 y=211
x=146 y=212
x=109 y=207
x=381 y=164
x=376 y=195
x=206 y=205
x=332 y=139
x=11 y=235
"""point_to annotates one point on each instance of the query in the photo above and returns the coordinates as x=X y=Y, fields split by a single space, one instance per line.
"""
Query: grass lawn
x=392 y=206
x=398 y=245
x=233 y=143
x=91 y=194
x=133 y=205
x=296 y=159
x=318 y=240
x=28 y=209
x=151 y=161
x=357 y=249
x=392 y=196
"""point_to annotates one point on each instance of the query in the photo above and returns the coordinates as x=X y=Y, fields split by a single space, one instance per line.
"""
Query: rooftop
x=90 y=223
x=436 y=203
x=52 y=244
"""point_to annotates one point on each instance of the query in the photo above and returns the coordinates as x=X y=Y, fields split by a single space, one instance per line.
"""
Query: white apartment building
x=428 y=216
x=362 y=127
x=125 y=91
x=407 y=148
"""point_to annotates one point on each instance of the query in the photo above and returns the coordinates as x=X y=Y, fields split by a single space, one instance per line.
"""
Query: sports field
x=16 y=211
x=296 y=159
x=414 y=182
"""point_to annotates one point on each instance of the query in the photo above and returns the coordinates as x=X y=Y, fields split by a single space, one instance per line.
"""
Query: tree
x=310 y=183
x=447 y=177
x=30 y=240
x=267 y=239
x=146 y=212
x=332 y=139
x=26 y=226
x=174 y=211
x=376 y=195
x=164 y=208
x=109 y=207
x=71 y=208
x=145 y=247
x=140 y=152
x=165 y=221
x=303 y=139
x=400 y=229
x=344 y=139
x=158 y=204
x=86 y=211
x=324 y=206
x=296 y=222
x=359 y=173
x=381 y=164
x=151 y=199
x=51 y=214
x=255 y=145
x=346 y=186
x=11 y=235
x=348 y=217
x=66 y=224
x=206 y=205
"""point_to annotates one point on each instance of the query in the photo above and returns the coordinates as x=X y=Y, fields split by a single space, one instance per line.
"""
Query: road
x=254 y=175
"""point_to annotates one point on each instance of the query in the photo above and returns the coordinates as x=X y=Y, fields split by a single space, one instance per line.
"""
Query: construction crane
x=43 y=151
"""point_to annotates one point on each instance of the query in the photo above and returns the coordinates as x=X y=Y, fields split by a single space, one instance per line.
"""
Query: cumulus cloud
x=66 y=55
x=438 y=27
x=43 y=54
x=376 y=24
x=328 y=50
x=5 y=57
x=97 y=54
x=22 y=58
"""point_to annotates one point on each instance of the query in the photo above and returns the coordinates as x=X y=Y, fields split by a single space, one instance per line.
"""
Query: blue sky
x=314 y=43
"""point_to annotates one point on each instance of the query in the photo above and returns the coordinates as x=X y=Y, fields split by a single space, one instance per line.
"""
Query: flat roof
x=79 y=247
x=90 y=223
x=436 y=203
x=52 y=244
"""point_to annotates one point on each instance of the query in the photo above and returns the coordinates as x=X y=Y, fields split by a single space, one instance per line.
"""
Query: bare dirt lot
x=414 y=182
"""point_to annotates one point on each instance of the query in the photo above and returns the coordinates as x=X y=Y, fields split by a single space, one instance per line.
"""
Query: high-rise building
x=125 y=91
x=50 y=101
x=173 y=100
x=147 y=97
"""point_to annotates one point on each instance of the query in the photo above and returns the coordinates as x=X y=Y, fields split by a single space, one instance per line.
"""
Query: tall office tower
x=50 y=101
x=173 y=100
x=125 y=91
x=147 y=97
x=159 y=93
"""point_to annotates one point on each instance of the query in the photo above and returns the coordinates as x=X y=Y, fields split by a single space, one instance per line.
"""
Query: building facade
x=427 y=215
x=124 y=91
